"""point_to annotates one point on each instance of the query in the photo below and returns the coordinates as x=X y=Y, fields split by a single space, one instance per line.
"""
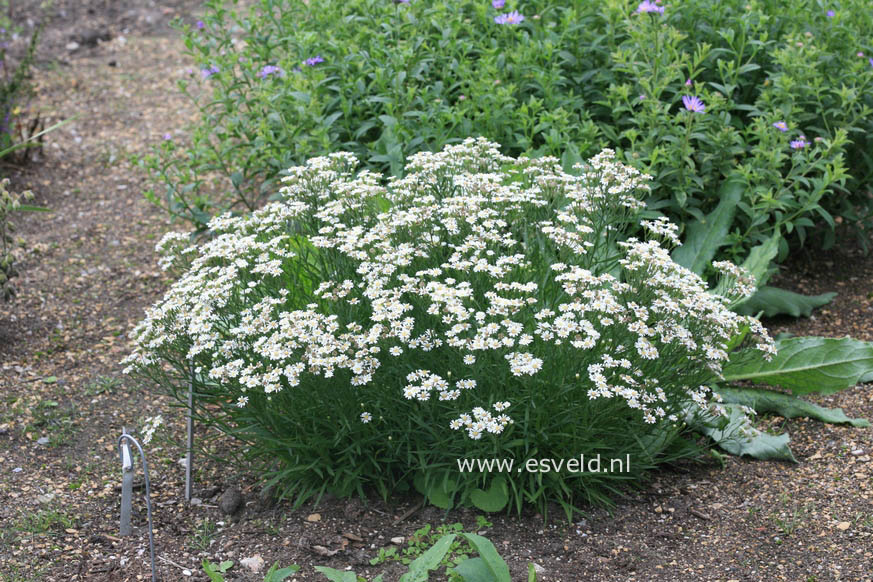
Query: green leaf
x=494 y=499
x=773 y=301
x=728 y=436
x=809 y=364
x=337 y=575
x=531 y=573
x=210 y=570
x=31 y=208
x=496 y=566
x=760 y=257
x=428 y=561
x=787 y=406
x=474 y=570
x=274 y=574
x=50 y=380
x=704 y=237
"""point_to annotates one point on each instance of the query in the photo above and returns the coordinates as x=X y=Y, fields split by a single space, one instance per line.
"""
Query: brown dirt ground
x=89 y=271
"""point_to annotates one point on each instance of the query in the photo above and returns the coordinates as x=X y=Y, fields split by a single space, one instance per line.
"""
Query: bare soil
x=89 y=270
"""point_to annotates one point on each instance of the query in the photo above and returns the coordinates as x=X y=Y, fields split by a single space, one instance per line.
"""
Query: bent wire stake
x=127 y=490
x=189 y=456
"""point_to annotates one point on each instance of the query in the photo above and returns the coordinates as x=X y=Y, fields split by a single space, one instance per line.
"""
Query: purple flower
x=781 y=126
x=871 y=62
x=509 y=18
x=209 y=71
x=648 y=6
x=799 y=144
x=270 y=70
x=688 y=82
x=167 y=137
x=693 y=103
x=312 y=61
x=498 y=4
x=831 y=13
x=199 y=25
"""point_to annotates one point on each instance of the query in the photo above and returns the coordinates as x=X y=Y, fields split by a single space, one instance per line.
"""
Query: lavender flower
x=799 y=144
x=312 y=61
x=648 y=6
x=498 y=4
x=509 y=18
x=781 y=126
x=209 y=71
x=199 y=25
x=270 y=70
x=831 y=13
x=693 y=103
x=688 y=82
x=871 y=62
x=167 y=137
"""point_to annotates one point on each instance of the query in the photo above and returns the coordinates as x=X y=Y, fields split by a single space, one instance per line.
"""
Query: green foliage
x=274 y=574
x=735 y=434
x=572 y=78
x=15 y=89
x=809 y=364
x=787 y=406
x=487 y=567
x=772 y=301
x=359 y=336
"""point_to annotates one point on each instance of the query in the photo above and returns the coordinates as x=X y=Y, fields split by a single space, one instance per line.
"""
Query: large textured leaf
x=704 y=237
x=772 y=301
x=787 y=405
x=496 y=566
x=729 y=436
x=809 y=364
x=428 y=561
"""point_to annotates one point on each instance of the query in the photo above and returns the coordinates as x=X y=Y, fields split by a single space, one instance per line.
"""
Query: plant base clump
x=360 y=334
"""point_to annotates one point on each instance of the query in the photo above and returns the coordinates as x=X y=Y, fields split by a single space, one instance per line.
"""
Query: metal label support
x=189 y=456
x=124 y=453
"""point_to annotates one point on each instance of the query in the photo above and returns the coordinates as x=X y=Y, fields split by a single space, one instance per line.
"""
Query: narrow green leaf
x=531 y=573
x=809 y=364
x=704 y=237
x=787 y=406
x=772 y=301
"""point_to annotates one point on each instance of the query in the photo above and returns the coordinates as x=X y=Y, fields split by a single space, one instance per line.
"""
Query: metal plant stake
x=189 y=455
x=127 y=490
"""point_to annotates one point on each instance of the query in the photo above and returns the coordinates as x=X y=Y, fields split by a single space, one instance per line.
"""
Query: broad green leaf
x=492 y=560
x=337 y=575
x=274 y=574
x=494 y=499
x=772 y=301
x=428 y=561
x=704 y=237
x=729 y=436
x=531 y=573
x=787 y=405
x=809 y=364
x=474 y=570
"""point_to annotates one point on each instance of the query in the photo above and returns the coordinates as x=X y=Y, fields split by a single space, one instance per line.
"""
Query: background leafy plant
x=397 y=78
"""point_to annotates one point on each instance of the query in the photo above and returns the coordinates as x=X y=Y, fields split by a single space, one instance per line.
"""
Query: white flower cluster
x=508 y=263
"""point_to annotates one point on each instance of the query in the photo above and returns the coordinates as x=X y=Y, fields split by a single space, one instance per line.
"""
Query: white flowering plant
x=360 y=333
